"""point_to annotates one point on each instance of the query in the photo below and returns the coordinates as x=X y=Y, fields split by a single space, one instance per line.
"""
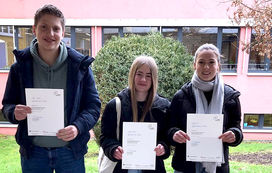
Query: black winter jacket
x=184 y=102
x=108 y=139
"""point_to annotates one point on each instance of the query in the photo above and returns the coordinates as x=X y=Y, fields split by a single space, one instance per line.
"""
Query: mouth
x=49 y=40
x=206 y=73
x=141 y=84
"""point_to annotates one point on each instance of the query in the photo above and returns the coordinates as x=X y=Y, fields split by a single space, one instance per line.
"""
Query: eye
x=148 y=75
x=139 y=74
x=43 y=26
x=212 y=62
x=56 y=29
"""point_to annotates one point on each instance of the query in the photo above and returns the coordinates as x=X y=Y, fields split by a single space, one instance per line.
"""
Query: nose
x=143 y=78
x=206 y=65
x=51 y=32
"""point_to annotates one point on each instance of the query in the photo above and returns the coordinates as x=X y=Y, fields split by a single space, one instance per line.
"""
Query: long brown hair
x=137 y=63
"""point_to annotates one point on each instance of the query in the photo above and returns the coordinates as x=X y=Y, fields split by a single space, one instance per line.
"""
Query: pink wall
x=96 y=39
x=125 y=9
x=255 y=89
x=3 y=80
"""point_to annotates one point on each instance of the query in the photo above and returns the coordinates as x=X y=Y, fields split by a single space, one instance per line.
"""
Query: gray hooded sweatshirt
x=45 y=76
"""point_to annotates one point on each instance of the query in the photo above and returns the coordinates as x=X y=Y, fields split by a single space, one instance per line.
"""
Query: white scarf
x=215 y=106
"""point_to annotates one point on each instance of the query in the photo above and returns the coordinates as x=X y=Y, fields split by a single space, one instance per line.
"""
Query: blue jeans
x=46 y=160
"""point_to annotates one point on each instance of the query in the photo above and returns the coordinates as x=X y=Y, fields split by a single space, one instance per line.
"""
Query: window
x=170 y=32
x=6 y=47
x=83 y=40
x=193 y=37
x=108 y=33
x=2 y=119
x=257 y=62
x=67 y=36
x=25 y=36
x=139 y=30
x=229 y=49
x=6 y=31
x=258 y=121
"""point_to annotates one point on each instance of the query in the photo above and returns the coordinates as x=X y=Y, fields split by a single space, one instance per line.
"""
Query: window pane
x=67 y=36
x=83 y=37
x=25 y=37
x=170 y=32
x=139 y=30
x=268 y=120
x=258 y=63
x=6 y=47
x=229 y=49
x=108 y=33
x=2 y=117
x=193 y=37
x=251 y=120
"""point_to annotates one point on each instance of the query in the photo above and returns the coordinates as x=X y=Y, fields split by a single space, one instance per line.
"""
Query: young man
x=48 y=63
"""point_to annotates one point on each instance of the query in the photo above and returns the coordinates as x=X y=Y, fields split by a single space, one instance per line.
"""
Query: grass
x=251 y=147
x=10 y=158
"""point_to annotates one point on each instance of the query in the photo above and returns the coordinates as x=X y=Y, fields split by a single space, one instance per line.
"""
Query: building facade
x=90 y=23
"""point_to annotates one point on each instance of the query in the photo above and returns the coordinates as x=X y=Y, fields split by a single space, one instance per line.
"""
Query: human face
x=206 y=65
x=49 y=33
x=143 y=79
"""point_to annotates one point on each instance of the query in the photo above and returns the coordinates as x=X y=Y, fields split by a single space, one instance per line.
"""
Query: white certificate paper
x=204 y=130
x=139 y=142
x=47 y=115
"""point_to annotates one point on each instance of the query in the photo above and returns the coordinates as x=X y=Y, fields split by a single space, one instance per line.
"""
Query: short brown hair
x=51 y=10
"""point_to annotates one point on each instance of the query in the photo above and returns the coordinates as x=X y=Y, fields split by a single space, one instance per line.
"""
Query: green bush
x=113 y=61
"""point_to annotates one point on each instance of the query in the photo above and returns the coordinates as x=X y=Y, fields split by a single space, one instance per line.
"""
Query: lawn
x=10 y=160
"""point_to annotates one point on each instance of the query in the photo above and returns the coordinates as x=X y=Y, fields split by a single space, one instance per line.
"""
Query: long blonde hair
x=137 y=63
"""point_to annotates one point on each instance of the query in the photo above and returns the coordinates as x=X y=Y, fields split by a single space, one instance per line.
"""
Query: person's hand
x=228 y=137
x=68 y=133
x=117 y=154
x=159 y=150
x=181 y=137
x=21 y=111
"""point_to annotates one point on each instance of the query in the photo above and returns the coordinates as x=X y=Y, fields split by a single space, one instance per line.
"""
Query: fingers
x=159 y=150
x=228 y=137
x=68 y=133
x=181 y=137
x=118 y=153
x=21 y=111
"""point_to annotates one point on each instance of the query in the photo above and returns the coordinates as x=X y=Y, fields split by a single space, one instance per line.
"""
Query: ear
x=63 y=32
x=194 y=66
x=219 y=67
x=34 y=30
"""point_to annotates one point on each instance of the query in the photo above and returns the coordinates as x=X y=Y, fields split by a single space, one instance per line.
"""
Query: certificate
x=204 y=130
x=139 y=142
x=47 y=115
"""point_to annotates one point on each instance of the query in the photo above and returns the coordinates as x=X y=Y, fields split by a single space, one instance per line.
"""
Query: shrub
x=113 y=61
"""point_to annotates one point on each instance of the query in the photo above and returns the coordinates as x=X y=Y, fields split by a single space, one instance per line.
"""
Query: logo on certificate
x=56 y=93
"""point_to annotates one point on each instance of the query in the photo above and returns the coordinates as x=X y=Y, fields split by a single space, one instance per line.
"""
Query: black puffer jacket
x=108 y=139
x=183 y=103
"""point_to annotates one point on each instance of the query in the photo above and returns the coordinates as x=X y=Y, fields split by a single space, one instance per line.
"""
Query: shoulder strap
x=118 y=111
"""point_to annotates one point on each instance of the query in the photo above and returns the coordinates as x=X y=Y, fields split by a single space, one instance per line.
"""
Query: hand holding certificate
x=204 y=130
x=47 y=115
x=139 y=142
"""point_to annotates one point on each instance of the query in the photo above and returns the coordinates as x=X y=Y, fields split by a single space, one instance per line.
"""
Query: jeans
x=45 y=160
x=134 y=171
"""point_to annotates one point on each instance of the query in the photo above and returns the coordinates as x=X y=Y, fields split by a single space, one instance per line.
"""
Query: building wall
x=120 y=9
x=254 y=87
